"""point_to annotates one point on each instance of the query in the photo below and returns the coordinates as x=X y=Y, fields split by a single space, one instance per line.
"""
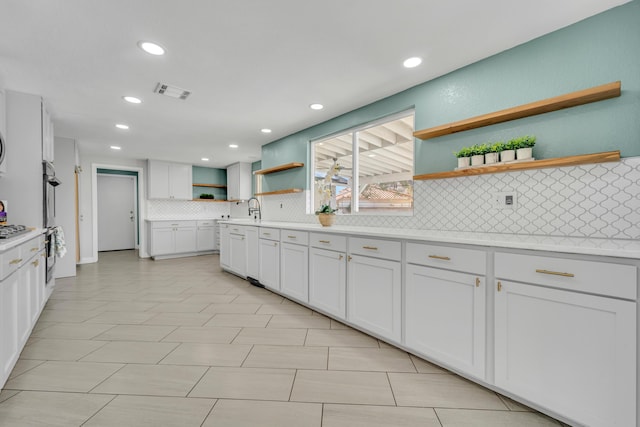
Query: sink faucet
x=252 y=211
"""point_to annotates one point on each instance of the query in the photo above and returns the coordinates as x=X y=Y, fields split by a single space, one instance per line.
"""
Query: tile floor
x=132 y=342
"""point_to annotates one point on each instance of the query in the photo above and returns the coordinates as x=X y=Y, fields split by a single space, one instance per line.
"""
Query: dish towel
x=59 y=244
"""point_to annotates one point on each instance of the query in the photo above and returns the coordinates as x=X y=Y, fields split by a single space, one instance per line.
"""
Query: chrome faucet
x=252 y=211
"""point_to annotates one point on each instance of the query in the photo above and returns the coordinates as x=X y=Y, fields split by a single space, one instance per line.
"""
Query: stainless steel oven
x=49 y=182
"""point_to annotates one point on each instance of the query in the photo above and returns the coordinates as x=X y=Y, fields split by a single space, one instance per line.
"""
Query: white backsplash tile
x=597 y=200
x=185 y=209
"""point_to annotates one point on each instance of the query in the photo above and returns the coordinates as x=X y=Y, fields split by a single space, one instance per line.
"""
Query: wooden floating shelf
x=573 y=99
x=210 y=185
x=287 y=191
x=209 y=200
x=607 y=156
x=279 y=168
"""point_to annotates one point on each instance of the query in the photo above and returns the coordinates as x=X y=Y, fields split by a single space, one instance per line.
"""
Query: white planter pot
x=507 y=155
x=491 y=158
x=524 y=153
x=477 y=160
x=463 y=162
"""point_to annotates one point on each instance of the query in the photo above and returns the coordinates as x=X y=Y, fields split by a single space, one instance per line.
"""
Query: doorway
x=117 y=212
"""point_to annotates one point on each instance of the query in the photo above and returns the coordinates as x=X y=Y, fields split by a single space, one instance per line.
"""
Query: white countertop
x=6 y=244
x=576 y=245
x=182 y=219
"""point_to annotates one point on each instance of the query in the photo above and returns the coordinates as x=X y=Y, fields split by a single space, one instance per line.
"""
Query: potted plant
x=509 y=152
x=206 y=196
x=494 y=152
x=477 y=154
x=326 y=214
x=525 y=147
x=464 y=157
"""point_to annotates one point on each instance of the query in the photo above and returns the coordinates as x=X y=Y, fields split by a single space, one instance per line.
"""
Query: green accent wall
x=254 y=167
x=598 y=50
x=204 y=175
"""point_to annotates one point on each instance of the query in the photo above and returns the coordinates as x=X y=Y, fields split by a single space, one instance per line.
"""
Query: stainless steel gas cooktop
x=8 y=231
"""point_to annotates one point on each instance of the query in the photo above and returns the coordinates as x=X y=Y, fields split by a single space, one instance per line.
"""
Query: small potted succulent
x=524 y=150
x=464 y=157
x=494 y=152
x=509 y=152
x=477 y=154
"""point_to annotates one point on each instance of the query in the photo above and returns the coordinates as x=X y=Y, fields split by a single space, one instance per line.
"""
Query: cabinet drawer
x=294 y=236
x=10 y=261
x=615 y=280
x=172 y=224
x=206 y=223
x=236 y=229
x=270 y=233
x=466 y=260
x=329 y=241
x=387 y=249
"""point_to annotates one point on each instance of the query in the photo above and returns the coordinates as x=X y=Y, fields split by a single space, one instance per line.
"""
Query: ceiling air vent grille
x=171 y=91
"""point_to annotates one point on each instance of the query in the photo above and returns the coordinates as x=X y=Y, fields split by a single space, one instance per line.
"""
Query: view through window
x=375 y=159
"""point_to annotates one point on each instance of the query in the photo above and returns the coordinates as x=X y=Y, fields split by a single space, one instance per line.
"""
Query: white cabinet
x=172 y=237
x=169 y=180
x=269 y=258
x=374 y=287
x=294 y=265
x=224 y=245
x=328 y=273
x=570 y=352
x=239 y=181
x=445 y=310
x=206 y=236
x=253 y=252
x=237 y=251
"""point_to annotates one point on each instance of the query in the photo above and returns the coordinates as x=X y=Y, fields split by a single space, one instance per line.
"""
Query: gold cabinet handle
x=43 y=254
x=499 y=286
x=275 y=243
x=446 y=258
x=266 y=234
x=324 y=241
x=291 y=237
x=36 y=263
x=554 y=273
x=372 y=248
x=35 y=249
x=477 y=282
x=15 y=261
x=349 y=258
x=340 y=257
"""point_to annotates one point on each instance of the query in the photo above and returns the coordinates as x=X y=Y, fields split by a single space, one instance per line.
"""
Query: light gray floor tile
x=339 y=338
x=369 y=359
x=232 y=308
x=161 y=298
x=245 y=383
x=73 y=331
x=424 y=367
x=129 y=306
x=283 y=356
x=131 y=352
x=64 y=376
x=179 y=319
x=338 y=325
x=24 y=365
x=83 y=305
x=442 y=391
x=202 y=334
x=367 y=388
x=251 y=413
x=121 y=317
x=514 y=406
x=41 y=324
x=152 y=380
x=67 y=316
x=239 y=320
x=207 y=354
x=141 y=411
x=6 y=394
x=210 y=299
x=295 y=321
x=136 y=333
x=271 y=336
x=257 y=299
x=55 y=349
x=377 y=416
x=179 y=307
x=33 y=408
x=284 y=309
x=474 y=418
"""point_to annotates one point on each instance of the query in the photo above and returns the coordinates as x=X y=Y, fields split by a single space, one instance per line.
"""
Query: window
x=380 y=169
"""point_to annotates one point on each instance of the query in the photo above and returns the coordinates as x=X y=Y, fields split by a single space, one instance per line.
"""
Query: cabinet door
x=180 y=181
x=270 y=264
x=224 y=245
x=253 y=252
x=37 y=286
x=206 y=238
x=158 y=177
x=294 y=265
x=373 y=295
x=445 y=317
x=8 y=325
x=572 y=353
x=233 y=182
x=328 y=281
x=24 y=303
x=238 y=254
x=186 y=240
x=162 y=241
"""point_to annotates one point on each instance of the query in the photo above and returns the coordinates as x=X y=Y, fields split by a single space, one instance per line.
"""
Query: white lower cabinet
x=224 y=245
x=445 y=317
x=205 y=236
x=237 y=252
x=269 y=263
x=185 y=240
x=9 y=343
x=253 y=252
x=294 y=267
x=172 y=238
x=328 y=281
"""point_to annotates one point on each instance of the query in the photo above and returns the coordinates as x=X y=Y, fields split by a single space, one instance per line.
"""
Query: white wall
x=65 y=161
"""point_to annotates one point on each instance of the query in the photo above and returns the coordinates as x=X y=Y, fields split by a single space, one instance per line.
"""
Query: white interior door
x=116 y=212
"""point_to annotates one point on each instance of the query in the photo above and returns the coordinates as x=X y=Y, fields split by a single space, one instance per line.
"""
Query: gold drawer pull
x=324 y=241
x=499 y=286
x=36 y=263
x=15 y=261
x=266 y=234
x=373 y=248
x=349 y=258
x=35 y=249
x=446 y=258
x=291 y=237
x=340 y=257
x=477 y=282
x=555 y=273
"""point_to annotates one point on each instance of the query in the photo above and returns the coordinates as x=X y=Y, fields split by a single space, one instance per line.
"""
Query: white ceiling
x=250 y=64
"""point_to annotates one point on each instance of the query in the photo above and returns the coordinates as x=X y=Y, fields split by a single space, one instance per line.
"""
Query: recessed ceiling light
x=316 y=106
x=121 y=126
x=132 y=99
x=265 y=130
x=233 y=145
x=115 y=147
x=204 y=159
x=152 y=48
x=412 y=62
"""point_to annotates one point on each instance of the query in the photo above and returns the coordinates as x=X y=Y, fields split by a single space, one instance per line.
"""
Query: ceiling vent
x=171 y=91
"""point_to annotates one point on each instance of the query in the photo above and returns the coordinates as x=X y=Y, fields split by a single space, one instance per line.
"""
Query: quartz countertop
x=6 y=244
x=576 y=245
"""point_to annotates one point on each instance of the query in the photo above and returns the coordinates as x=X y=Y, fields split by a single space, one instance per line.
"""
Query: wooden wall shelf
x=573 y=99
x=279 y=168
x=287 y=191
x=210 y=185
x=607 y=156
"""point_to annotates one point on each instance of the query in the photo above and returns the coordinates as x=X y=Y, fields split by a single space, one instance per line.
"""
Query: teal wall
x=598 y=50
x=203 y=175
x=254 y=167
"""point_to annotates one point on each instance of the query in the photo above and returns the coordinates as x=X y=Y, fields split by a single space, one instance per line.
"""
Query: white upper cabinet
x=169 y=180
x=239 y=181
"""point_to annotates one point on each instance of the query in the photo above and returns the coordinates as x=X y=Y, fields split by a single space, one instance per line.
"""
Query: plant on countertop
x=206 y=196
x=324 y=190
